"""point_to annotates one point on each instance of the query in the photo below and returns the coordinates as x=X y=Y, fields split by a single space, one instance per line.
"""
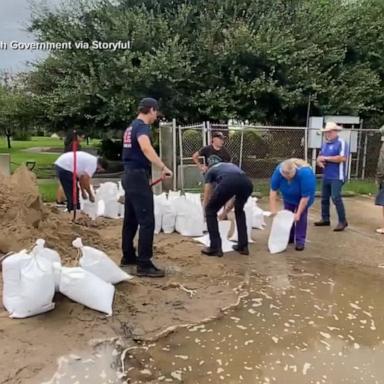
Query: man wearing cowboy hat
x=333 y=159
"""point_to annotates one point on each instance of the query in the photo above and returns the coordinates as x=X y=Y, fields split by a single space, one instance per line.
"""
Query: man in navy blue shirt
x=226 y=182
x=138 y=155
x=333 y=159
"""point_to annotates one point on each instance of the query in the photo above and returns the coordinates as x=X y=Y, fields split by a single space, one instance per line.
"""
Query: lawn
x=44 y=161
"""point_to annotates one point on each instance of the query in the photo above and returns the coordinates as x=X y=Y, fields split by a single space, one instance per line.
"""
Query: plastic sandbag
x=109 y=193
x=189 y=217
x=258 y=217
x=280 y=231
x=49 y=254
x=86 y=288
x=226 y=245
x=98 y=263
x=121 y=194
x=248 y=209
x=28 y=285
x=158 y=212
x=172 y=195
x=168 y=220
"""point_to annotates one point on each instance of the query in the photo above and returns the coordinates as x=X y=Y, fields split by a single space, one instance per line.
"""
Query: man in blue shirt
x=296 y=181
x=333 y=159
x=226 y=182
x=138 y=154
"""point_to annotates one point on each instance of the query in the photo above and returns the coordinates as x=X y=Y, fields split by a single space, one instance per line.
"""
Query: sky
x=14 y=19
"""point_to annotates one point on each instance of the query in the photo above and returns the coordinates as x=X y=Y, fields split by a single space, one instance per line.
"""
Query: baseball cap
x=218 y=134
x=148 y=102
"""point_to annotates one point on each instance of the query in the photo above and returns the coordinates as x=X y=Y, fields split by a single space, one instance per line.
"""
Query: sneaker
x=299 y=247
x=149 y=271
x=127 y=263
x=322 y=223
x=242 y=251
x=212 y=252
x=340 y=227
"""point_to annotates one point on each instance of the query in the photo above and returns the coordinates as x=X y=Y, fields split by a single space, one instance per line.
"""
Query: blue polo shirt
x=335 y=171
x=302 y=185
x=133 y=156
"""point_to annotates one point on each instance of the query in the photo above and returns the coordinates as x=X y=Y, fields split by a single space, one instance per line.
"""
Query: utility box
x=314 y=132
x=5 y=164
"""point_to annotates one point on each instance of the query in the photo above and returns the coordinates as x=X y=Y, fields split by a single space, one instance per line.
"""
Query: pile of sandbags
x=31 y=279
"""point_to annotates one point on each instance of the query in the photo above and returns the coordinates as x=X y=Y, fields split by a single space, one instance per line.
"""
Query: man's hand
x=223 y=215
x=297 y=217
x=84 y=195
x=203 y=168
x=166 y=173
x=321 y=159
x=91 y=198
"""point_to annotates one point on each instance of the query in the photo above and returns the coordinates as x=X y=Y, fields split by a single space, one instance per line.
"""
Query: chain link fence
x=259 y=149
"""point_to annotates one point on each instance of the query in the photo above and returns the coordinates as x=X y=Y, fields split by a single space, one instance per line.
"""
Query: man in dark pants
x=138 y=154
x=231 y=184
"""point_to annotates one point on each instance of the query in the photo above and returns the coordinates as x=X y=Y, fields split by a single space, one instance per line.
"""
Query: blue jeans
x=332 y=189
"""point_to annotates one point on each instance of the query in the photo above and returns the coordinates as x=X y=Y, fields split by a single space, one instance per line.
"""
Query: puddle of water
x=315 y=324
x=102 y=366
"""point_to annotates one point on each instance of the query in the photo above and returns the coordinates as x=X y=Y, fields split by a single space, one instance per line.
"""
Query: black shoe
x=212 y=252
x=299 y=247
x=149 y=271
x=322 y=223
x=242 y=251
x=127 y=263
x=340 y=227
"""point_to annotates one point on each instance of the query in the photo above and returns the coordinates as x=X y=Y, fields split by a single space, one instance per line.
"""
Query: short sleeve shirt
x=133 y=156
x=335 y=171
x=213 y=156
x=86 y=164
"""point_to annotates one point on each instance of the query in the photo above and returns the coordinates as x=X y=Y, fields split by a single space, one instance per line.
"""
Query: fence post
x=174 y=139
x=306 y=144
x=206 y=133
x=364 y=157
x=181 y=159
x=241 y=147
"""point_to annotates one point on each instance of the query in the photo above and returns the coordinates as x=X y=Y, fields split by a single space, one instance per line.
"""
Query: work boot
x=322 y=223
x=149 y=271
x=242 y=251
x=212 y=252
x=299 y=247
x=340 y=227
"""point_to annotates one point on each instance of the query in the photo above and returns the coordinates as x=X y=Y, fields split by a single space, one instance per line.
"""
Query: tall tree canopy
x=211 y=59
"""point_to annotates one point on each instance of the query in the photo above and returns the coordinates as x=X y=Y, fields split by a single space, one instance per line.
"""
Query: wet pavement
x=312 y=322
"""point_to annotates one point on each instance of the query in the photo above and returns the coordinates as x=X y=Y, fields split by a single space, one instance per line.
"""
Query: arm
x=151 y=155
x=85 y=186
x=302 y=205
x=273 y=201
x=196 y=160
x=333 y=159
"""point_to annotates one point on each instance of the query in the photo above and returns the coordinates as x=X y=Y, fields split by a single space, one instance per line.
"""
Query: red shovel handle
x=157 y=181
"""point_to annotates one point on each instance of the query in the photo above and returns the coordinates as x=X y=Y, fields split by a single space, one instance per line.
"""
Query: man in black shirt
x=226 y=182
x=213 y=154
x=138 y=155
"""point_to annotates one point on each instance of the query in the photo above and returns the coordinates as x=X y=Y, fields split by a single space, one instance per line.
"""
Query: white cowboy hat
x=331 y=126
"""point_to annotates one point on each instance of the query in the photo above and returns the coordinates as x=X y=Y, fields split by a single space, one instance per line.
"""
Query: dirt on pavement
x=146 y=308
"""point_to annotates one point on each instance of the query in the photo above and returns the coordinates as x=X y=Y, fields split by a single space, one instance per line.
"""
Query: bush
x=111 y=149
x=253 y=144
x=22 y=136
x=193 y=141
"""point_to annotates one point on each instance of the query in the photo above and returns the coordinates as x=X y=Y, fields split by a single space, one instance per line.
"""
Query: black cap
x=218 y=134
x=148 y=102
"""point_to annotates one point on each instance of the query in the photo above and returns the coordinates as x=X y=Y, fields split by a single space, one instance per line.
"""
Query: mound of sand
x=24 y=218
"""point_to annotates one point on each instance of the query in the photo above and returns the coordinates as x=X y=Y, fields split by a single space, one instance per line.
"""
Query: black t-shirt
x=220 y=171
x=213 y=156
x=133 y=156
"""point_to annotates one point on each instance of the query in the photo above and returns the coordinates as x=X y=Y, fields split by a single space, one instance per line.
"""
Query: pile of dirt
x=24 y=218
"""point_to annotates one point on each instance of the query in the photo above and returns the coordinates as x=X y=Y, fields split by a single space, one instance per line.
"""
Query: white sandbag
x=86 y=288
x=158 y=213
x=109 y=193
x=93 y=210
x=28 y=285
x=49 y=254
x=172 y=195
x=168 y=220
x=194 y=198
x=98 y=263
x=189 y=217
x=226 y=245
x=280 y=231
x=121 y=194
x=248 y=210
x=258 y=216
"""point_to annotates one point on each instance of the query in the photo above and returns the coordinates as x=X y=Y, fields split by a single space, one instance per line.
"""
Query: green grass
x=48 y=189
x=44 y=161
